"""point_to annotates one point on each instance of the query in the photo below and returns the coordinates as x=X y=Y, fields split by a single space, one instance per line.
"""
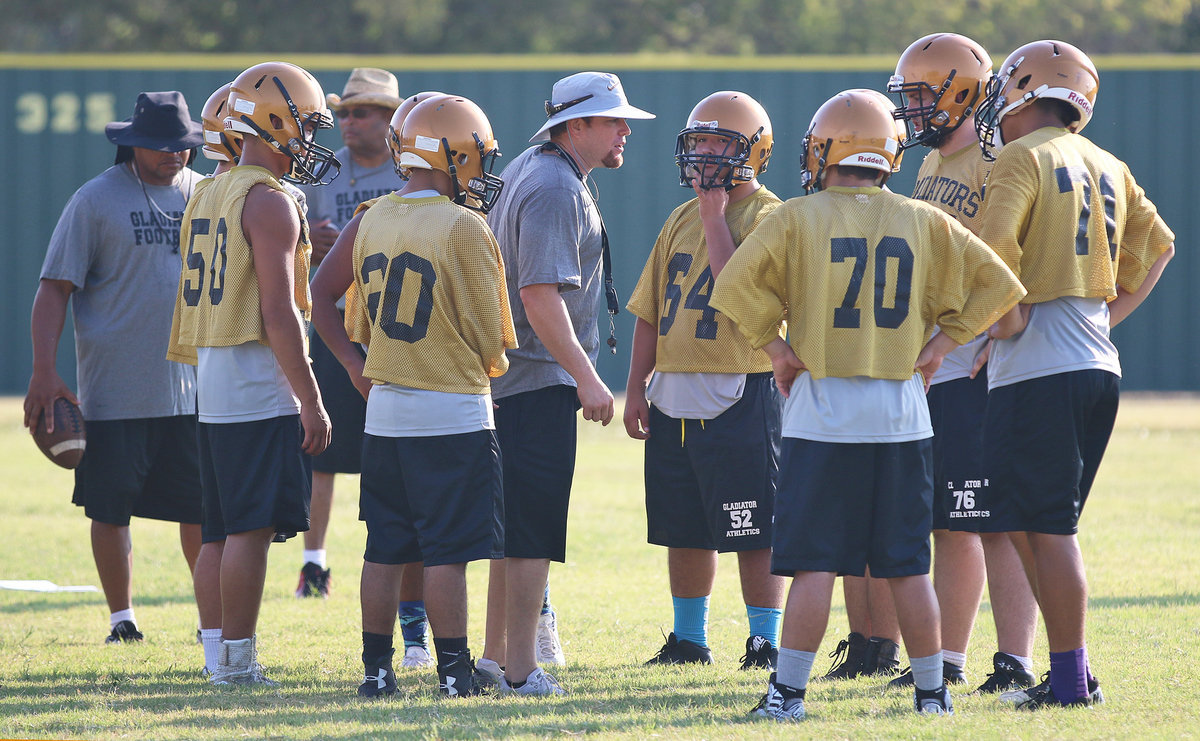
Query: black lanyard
x=610 y=292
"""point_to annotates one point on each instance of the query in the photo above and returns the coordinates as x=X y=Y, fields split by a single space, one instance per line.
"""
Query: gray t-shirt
x=353 y=185
x=123 y=257
x=549 y=232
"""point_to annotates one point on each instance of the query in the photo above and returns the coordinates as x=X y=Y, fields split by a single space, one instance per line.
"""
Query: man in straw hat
x=556 y=262
x=114 y=256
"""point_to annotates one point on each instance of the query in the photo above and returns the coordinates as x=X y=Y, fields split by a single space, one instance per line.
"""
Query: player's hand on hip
x=982 y=358
x=637 y=416
x=317 y=428
x=785 y=364
x=597 y=401
x=44 y=388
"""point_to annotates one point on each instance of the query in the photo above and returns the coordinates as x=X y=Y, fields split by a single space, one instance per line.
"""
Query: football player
x=1070 y=220
x=939 y=82
x=432 y=282
x=713 y=457
x=862 y=276
x=243 y=298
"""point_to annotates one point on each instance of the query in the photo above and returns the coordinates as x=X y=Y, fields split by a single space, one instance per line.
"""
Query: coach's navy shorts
x=347 y=412
x=255 y=475
x=710 y=484
x=536 y=430
x=844 y=506
x=1044 y=439
x=435 y=499
x=961 y=490
x=140 y=467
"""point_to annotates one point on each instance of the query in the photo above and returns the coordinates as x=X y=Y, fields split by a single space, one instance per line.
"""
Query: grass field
x=58 y=680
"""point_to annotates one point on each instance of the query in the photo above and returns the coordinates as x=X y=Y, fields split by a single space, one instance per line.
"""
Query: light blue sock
x=927 y=671
x=765 y=622
x=794 y=667
x=691 y=619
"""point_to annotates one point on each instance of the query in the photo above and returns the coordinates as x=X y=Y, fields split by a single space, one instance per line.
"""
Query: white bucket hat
x=587 y=94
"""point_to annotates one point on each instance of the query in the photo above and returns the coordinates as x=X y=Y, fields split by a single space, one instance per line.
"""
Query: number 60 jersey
x=862 y=275
x=430 y=277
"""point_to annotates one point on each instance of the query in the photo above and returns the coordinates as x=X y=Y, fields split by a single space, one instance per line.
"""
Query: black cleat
x=124 y=632
x=677 y=651
x=760 y=654
x=848 y=657
x=1008 y=675
x=379 y=679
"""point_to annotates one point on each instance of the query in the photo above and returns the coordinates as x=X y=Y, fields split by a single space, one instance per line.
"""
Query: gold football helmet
x=451 y=134
x=397 y=122
x=855 y=128
x=743 y=123
x=224 y=145
x=284 y=105
x=939 y=79
x=1042 y=69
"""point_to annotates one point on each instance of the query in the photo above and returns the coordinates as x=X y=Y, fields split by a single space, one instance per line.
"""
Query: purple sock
x=1069 y=675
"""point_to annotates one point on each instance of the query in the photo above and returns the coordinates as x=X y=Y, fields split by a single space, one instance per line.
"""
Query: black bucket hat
x=160 y=122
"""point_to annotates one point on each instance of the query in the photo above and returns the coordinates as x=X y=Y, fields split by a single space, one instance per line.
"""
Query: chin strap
x=610 y=291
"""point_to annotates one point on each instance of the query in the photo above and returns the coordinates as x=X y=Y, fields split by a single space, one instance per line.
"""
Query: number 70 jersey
x=862 y=276
x=674 y=289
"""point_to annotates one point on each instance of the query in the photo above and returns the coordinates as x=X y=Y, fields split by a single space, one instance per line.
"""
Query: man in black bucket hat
x=114 y=257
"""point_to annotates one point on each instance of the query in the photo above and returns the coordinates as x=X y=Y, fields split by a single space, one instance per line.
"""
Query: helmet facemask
x=727 y=169
x=481 y=190
x=935 y=122
x=311 y=162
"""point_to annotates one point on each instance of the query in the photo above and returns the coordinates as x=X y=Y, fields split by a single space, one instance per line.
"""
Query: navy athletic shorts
x=347 y=412
x=961 y=490
x=1044 y=439
x=436 y=499
x=255 y=475
x=844 y=506
x=537 y=435
x=710 y=484
x=142 y=468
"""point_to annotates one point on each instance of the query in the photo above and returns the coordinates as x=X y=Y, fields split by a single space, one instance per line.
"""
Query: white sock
x=1026 y=662
x=794 y=667
x=953 y=657
x=927 y=671
x=117 y=617
x=317 y=556
x=210 y=639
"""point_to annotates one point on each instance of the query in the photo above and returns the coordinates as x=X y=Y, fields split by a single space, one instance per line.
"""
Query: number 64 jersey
x=430 y=276
x=674 y=289
x=862 y=275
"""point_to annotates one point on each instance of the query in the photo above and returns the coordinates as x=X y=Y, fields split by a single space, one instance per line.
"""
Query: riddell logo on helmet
x=1080 y=101
x=870 y=159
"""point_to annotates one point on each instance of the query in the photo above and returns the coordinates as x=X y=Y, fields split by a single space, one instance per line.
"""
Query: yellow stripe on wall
x=555 y=62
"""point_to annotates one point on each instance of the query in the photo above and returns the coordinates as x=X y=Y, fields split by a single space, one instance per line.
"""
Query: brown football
x=65 y=445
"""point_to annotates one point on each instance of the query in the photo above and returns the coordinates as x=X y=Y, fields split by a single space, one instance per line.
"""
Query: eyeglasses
x=552 y=108
x=359 y=112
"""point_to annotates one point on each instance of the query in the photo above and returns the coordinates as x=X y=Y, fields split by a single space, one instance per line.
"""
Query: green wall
x=57 y=108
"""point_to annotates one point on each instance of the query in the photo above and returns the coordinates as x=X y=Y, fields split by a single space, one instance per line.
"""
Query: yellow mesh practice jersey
x=432 y=279
x=955 y=183
x=862 y=275
x=675 y=286
x=357 y=320
x=218 y=302
x=1069 y=219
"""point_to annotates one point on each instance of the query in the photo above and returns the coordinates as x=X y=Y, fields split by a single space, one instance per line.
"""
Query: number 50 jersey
x=218 y=302
x=431 y=277
x=862 y=275
x=673 y=291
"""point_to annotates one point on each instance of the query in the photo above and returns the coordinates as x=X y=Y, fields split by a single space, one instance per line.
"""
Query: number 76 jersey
x=674 y=289
x=862 y=276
